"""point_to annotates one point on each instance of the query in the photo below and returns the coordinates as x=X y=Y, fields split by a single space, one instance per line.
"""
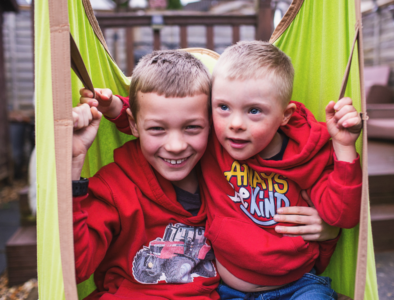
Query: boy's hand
x=86 y=123
x=344 y=125
x=311 y=226
x=105 y=102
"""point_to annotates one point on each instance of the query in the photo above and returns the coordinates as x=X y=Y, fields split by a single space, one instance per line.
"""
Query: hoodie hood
x=308 y=148
x=131 y=161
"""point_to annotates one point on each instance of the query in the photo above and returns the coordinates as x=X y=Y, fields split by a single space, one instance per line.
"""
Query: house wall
x=18 y=53
x=378 y=34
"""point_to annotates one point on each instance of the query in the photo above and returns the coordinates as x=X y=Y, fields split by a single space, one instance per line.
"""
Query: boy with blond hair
x=269 y=149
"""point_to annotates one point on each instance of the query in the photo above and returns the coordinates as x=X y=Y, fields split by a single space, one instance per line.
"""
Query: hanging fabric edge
x=287 y=19
x=63 y=130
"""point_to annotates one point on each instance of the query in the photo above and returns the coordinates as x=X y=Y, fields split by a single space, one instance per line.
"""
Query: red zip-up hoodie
x=240 y=221
x=140 y=243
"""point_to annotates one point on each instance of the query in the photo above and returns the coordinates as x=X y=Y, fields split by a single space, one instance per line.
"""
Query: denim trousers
x=308 y=287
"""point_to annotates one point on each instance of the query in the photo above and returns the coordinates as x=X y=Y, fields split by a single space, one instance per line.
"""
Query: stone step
x=21 y=251
x=382 y=218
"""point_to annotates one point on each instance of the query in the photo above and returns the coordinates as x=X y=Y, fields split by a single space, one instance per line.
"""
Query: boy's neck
x=189 y=183
x=273 y=147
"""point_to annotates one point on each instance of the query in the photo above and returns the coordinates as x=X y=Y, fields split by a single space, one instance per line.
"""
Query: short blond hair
x=172 y=73
x=257 y=60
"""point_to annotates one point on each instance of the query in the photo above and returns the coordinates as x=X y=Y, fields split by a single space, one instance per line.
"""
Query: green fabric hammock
x=318 y=41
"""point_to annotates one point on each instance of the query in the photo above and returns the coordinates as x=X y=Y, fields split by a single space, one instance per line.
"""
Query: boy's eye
x=254 y=111
x=223 y=107
x=156 y=128
x=192 y=127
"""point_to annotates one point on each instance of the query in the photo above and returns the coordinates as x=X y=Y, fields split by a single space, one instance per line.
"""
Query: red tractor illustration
x=181 y=253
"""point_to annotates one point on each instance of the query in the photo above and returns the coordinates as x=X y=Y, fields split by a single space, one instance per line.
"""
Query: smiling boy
x=140 y=226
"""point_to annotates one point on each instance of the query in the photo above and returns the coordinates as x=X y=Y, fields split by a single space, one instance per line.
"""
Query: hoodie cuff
x=77 y=202
x=121 y=121
x=347 y=174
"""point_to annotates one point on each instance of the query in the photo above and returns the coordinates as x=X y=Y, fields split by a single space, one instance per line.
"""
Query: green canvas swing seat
x=316 y=34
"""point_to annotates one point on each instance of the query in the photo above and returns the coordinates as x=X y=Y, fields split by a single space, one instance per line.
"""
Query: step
x=382 y=218
x=381 y=172
x=21 y=252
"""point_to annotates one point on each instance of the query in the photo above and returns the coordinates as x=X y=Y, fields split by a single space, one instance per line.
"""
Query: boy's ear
x=290 y=109
x=132 y=123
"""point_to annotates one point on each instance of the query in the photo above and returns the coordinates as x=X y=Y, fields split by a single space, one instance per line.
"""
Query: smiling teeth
x=175 y=162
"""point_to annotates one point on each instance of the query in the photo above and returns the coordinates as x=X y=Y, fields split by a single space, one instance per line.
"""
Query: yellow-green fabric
x=319 y=42
x=48 y=245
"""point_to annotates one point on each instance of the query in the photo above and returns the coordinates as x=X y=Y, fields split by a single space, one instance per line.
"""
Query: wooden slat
x=264 y=26
x=156 y=39
x=130 y=50
x=108 y=20
x=210 y=44
x=236 y=34
x=183 y=36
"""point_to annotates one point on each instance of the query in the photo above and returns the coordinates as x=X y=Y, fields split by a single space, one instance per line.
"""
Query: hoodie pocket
x=252 y=247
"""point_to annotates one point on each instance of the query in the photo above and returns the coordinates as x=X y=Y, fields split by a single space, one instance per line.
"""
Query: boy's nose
x=175 y=143
x=237 y=123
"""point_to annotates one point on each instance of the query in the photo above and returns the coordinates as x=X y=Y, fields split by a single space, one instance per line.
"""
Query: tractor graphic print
x=178 y=257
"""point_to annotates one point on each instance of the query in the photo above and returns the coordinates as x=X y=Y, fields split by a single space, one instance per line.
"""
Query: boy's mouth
x=175 y=161
x=238 y=143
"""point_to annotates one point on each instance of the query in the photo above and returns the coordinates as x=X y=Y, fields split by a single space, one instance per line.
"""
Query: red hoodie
x=135 y=237
x=240 y=214
x=322 y=251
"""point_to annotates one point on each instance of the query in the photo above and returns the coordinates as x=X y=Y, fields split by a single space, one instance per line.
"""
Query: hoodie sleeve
x=326 y=250
x=121 y=121
x=95 y=223
x=337 y=193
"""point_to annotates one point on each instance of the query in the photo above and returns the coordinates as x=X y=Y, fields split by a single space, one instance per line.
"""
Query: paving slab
x=385 y=274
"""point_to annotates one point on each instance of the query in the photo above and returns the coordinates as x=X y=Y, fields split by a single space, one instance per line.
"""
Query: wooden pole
x=183 y=37
x=156 y=39
x=130 y=50
x=264 y=16
x=210 y=43
x=236 y=34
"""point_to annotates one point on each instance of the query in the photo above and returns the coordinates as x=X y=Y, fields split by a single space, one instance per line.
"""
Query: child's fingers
x=347 y=109
x=344 y=121
x=353 y=125
x=296 y=210
x=75 y=118
x=342 y=102
x=89 y=101
x=298 y=230
x=95 y=113
x=85 y=116
x=85 y=93
x=104 y=96
x=295 y=219
x=330 y=111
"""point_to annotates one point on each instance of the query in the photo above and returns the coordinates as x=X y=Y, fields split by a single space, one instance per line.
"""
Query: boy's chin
x=239 y=155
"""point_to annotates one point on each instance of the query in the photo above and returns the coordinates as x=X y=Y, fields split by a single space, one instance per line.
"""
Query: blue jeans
x=308 y=287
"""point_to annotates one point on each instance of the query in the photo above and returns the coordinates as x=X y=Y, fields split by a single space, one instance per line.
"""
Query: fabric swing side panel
x=366 y=258
x=318 y=42
x=104 y=74
x=62 y=104
x=49 y=266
